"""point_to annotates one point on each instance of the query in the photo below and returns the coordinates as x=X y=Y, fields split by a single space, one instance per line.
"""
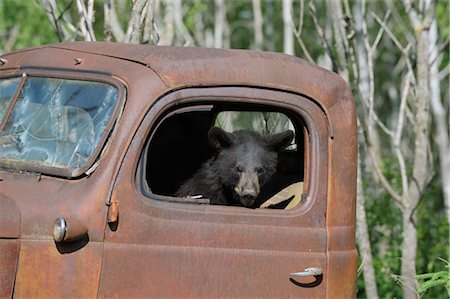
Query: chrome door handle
x=308 y=272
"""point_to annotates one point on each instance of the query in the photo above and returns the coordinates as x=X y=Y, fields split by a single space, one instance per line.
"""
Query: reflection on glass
x=58 y=122
x=7 y=90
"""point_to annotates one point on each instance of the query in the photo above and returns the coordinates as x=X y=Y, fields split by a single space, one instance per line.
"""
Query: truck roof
x=180 y=67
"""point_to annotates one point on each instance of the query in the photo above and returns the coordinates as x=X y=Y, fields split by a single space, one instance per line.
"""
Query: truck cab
x=96 y=137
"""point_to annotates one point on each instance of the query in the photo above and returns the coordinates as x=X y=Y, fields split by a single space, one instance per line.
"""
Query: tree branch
x=86 y=19
x=377 y=165
x=179 y=24
x=320 y=31
x=298 y=32
x=398 y=134
x=50 y=8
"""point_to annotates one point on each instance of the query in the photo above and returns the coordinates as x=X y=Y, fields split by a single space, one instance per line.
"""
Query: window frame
x=89 y=167
x=254 y=96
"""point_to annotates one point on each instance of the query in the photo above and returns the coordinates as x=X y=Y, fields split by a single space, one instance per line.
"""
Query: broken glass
x=7 y=90
x=57 y=122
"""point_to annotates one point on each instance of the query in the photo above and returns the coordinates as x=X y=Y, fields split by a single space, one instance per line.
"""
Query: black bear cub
x=244 y=162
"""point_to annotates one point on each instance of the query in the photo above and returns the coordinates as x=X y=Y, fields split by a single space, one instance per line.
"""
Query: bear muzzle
x=248 y=188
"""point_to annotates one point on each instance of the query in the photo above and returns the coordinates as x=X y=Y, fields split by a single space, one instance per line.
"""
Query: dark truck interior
x=178 y=146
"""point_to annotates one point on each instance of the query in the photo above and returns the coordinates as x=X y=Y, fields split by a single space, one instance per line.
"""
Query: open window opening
x=262 y=150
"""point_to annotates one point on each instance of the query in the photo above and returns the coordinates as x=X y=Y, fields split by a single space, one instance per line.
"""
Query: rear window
x=54 y=124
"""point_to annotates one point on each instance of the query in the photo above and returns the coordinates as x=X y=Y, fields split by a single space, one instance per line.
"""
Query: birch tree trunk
x=219 y=23
x=151 y=34
x=269 y=26
x=181 y=30
x=136 y=21
x=439 y=113
x=363 y=240
x=341 y=42
x=258 y=24
x=288 y=33
x=168 y=31
x=420 y=174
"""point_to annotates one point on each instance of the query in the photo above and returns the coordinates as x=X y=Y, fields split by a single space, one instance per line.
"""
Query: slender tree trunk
x=362 y=233
x=409 y=251
x=181 y=29
x=219 y=23
x=337 y=17
x=366 y=80
x=112 y=27
x=151 y=34
x=442 y=129
x=268 y=26
x=200 y=31
x=168 y=33
x=420 y=166
x=288 y=36
x=258 y=24
x=136 y=23
x=362 y=236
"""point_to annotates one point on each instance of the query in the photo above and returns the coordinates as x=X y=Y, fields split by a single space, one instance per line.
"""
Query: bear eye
x=238 y=169
x=260 y=170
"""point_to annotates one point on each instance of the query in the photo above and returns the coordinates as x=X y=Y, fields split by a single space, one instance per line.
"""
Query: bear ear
x=218 y=138
x=280 y=141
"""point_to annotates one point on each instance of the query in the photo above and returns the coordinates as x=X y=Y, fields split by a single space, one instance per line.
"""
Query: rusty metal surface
x=209 y=242
x=46 y=271
x=181 y=273
x=183 y=67
x=341 y=210
x=10 y=217
x=9 y=254
x=237 y=252
x=190 y=66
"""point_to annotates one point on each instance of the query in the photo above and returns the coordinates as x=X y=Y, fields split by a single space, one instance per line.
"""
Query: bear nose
x=248 y=197
x=247 y=188
x=249 y=193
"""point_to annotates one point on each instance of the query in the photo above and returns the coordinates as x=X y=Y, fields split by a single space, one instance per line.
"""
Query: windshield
x=56 y=123
x=7 y=89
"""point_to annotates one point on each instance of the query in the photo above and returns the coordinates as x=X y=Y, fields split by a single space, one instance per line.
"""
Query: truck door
x=161 y=245
x=9 y=245
x=52 y=132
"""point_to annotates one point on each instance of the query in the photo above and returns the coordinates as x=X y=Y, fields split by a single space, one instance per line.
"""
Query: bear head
x=246 y=160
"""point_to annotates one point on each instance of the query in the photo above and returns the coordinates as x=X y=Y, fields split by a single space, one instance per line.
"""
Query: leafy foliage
x=27 y=20
x=435 y=280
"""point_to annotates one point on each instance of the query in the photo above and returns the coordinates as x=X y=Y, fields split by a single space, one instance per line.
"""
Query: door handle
x=308 y=272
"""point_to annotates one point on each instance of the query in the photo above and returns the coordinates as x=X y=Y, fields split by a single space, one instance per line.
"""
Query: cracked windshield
x=54 y=122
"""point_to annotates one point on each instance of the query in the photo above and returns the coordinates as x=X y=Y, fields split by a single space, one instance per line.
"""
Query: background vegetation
x=395 y=56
